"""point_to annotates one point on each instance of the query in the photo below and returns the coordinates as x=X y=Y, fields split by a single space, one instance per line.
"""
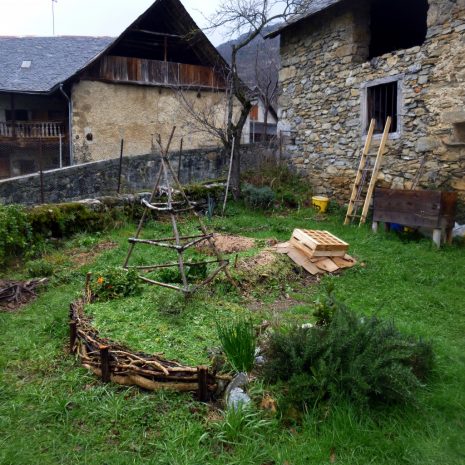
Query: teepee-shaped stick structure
x=177 y=242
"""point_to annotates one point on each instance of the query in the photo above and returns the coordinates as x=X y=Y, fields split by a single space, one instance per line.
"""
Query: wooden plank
x=343 y=263
x=300 y=259
x=327 y=264
x=326 y=238
x=311 y=254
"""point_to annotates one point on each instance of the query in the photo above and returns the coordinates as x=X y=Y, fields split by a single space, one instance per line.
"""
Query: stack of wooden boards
x=317 y=252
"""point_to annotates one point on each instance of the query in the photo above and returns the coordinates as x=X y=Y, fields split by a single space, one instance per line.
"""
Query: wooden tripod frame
x=178 y=243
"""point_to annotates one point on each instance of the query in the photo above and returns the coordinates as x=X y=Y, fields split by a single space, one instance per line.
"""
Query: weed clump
x=367 y=361
x=238 y=340
x=40 y=268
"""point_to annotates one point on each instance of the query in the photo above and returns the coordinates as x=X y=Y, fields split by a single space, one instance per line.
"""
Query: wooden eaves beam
x=160 y=34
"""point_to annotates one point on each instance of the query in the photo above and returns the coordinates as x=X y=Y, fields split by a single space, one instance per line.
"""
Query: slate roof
x=53 y=60
x=316 y=6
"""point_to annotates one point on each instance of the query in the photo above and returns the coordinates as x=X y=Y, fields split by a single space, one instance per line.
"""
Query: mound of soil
x=265 y=258
x=227 y=244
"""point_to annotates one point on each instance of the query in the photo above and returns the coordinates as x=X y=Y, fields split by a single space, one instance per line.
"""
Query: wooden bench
x=427 y=209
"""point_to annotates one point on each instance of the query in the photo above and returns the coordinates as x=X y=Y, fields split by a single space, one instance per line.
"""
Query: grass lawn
x=52 y=411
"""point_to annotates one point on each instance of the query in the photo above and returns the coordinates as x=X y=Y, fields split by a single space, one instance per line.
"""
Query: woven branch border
x=113 y=362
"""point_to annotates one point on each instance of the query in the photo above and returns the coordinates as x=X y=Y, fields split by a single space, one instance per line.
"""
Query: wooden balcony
x=31 y=130
x=154 y=72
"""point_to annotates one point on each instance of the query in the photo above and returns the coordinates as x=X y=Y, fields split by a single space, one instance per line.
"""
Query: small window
x=397 y=24
x=381 y=103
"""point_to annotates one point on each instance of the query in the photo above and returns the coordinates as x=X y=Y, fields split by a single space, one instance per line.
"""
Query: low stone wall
x=100 y=178
x=96 y=179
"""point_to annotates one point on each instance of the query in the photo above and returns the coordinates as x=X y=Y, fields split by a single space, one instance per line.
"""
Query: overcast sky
x=87 y=17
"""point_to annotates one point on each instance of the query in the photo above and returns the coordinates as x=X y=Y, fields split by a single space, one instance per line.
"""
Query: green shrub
x=258 y=197
x=114 y=283
x=40 y=269
x=15 y=232
x=64 y=220
x=291 y=189
x=238 y=340
x=367 y=361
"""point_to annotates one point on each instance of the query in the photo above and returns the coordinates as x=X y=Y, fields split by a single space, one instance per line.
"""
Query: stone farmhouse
x=68 y=100
x=345 y=62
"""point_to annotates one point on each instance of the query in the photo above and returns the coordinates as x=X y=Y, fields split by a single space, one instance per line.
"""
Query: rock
x=458 y=231
x=234 y=394
x=260 y=360
x=237 y=398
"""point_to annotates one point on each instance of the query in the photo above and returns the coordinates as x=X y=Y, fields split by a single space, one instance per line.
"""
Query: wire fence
x=32 y=155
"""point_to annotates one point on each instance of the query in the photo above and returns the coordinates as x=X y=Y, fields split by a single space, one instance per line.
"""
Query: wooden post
x=105 y=364
x=437 y=233
x=87 y=291
x=120 y=166
x=72 y=336
x=229 y=175
x=202 y=373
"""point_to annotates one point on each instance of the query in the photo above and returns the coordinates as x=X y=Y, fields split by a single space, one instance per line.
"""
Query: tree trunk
x=236 y=172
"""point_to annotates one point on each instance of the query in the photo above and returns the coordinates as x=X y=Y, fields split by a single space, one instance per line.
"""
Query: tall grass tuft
x=238 y=340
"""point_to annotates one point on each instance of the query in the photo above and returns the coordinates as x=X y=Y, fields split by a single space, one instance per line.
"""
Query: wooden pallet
x=318 y=243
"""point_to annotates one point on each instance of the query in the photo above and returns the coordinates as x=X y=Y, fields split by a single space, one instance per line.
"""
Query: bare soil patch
x=227 y=244
x=80 y=258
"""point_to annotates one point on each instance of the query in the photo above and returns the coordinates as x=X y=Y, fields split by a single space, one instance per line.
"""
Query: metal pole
x=41 y=173
x=229 y=175
x=120 y=166
x=61 y=152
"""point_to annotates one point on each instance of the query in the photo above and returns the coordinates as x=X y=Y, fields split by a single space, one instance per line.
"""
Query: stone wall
x=95 y=179
x=323 y=77
x=100 y=178
x=105 y=113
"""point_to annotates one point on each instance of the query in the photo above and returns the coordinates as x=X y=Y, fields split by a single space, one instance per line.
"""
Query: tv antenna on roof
x=53 y=14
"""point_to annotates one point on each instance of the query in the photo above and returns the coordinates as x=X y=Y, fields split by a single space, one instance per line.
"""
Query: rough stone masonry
x=325 y=73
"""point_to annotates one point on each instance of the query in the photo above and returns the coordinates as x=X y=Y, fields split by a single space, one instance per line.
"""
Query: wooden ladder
x=363 y=175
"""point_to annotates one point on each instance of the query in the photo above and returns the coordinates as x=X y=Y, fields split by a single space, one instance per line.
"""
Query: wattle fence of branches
x=113 y=362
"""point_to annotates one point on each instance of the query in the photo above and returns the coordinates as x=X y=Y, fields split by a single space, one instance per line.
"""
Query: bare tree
x=266 y=79
x=247 y=18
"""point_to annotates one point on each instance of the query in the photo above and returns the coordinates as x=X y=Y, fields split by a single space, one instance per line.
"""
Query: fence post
x=105 y=364
x=72 y=336
x=202 y=374
x=120 y=166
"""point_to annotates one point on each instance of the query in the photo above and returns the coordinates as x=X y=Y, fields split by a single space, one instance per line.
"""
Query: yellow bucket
x=320 y=203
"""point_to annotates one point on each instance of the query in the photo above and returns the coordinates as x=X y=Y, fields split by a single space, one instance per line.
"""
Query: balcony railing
x=32 y=129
